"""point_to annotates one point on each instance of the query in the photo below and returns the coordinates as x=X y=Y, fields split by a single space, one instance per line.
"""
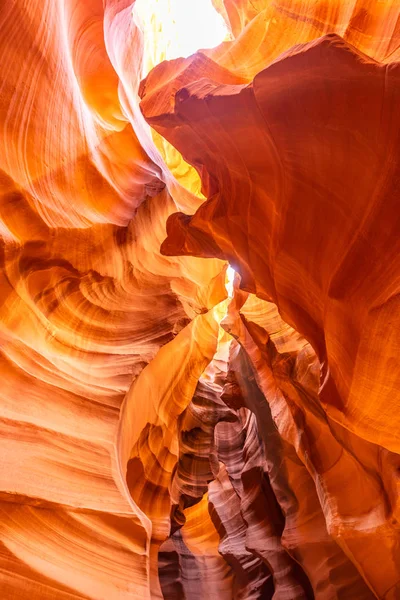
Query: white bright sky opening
x=230 y=276
x=178 y=28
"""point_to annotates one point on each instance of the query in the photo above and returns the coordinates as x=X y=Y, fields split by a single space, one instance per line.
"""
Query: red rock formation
x=158 y=439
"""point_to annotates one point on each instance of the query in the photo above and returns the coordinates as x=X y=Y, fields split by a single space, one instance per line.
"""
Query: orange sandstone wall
x=158 y=439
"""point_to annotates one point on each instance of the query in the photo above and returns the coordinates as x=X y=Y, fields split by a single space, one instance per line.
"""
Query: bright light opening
x=175 y=28
x=221 y=358
x=229 y=279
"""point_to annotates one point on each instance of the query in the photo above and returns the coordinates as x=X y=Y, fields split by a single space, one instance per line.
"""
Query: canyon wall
x=167 y=432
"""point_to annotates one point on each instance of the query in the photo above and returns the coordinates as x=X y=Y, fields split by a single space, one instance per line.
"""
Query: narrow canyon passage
x=200 y=284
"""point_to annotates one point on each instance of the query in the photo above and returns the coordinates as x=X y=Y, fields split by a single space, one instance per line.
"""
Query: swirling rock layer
x=158 y=438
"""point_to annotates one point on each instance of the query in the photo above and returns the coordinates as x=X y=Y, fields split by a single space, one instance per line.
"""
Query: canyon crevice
x=200 y=303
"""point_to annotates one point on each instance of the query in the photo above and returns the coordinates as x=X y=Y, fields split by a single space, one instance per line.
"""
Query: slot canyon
x=200 y=299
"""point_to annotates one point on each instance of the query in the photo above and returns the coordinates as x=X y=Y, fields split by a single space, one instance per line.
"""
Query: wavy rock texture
x=158 y=438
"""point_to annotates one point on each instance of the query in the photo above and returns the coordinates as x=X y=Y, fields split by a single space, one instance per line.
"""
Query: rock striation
x=164 y=432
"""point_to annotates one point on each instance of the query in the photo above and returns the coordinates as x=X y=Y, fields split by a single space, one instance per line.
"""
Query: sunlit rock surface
x=164 y=435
